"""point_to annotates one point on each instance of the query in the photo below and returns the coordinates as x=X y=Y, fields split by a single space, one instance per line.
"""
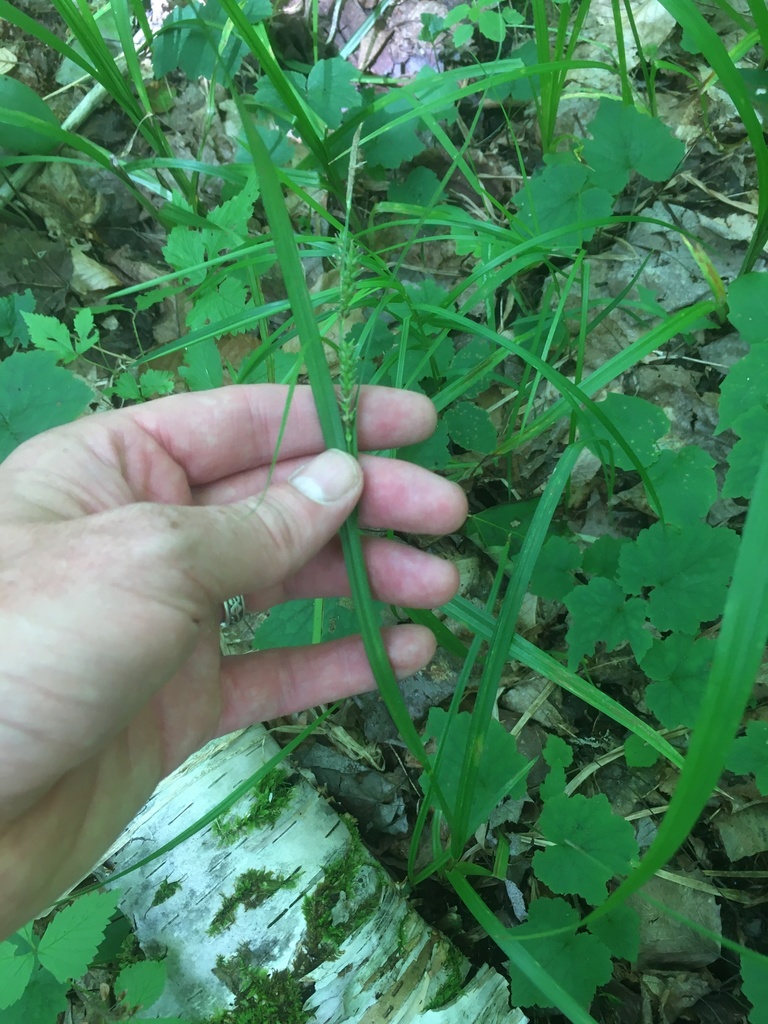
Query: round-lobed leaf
x=20 y=99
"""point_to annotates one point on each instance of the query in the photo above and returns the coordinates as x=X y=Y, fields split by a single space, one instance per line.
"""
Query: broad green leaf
x=73 y=936
x=754 y=985
x=127 y=387
x=640 y=423
x=749 y=754
x=687 y=570
x=557 y=752
x=331 y=89
x=679 y=666
x=44 y=999
x=462 y=35
x=600 y=611
x=141 y=985
x=492 y=25
x=395 y=146
x=470 y=427
x=21 y=99
x=231 y=218
x=592 y=846
x=15 y=971
x=35 y=395
x=191 y=40
x=744 y=389
x=552 y=577
x=685 y=483
x=49 y=334
x=619 y=930
x=563 y=196
x=13 y=329
x=420 y=188
x=292 y=624
x=502 y=769
x=495 y=525
x=748 y=307
x=744 y=458
x=578 y=961
x=602 y=557
x=624 y=140
x=202 y=366
x=465 y=360
x=638 y=753
x=431 y=454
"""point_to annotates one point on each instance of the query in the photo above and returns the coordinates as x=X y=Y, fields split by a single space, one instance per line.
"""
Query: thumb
x=261 y=541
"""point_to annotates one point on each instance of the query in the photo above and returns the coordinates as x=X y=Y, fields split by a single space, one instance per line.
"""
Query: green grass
x=531 y=370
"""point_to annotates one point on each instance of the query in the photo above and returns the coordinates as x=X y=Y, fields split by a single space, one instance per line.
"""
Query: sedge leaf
x=73 y=936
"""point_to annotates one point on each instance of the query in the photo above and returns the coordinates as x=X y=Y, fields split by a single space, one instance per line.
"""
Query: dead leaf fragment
x=89 y=276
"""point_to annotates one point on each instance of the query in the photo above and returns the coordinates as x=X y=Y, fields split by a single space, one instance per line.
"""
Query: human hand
x=120 y=536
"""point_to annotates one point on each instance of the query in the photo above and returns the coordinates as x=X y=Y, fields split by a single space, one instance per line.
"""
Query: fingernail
x=328 y=478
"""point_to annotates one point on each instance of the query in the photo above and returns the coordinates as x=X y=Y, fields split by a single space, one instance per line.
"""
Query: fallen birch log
x=279 y=901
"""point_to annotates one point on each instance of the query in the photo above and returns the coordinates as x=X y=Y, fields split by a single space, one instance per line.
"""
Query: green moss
x=164 y=892
x=266 y=998
x=269 y=798
x=328 y=922
x=252 y=888
x=455 y=967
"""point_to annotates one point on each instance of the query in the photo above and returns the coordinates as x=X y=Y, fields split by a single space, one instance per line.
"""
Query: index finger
x=213 y=434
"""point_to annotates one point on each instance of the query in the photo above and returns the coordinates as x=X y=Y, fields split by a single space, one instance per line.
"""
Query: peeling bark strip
x=296 y=905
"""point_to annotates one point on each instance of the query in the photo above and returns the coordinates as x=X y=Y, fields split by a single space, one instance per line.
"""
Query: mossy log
x=279 y=906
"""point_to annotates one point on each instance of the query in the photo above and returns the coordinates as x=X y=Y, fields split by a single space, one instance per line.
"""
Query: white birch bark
x=389 y=968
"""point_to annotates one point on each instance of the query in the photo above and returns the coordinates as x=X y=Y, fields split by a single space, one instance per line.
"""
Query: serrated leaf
x=35 y=395
x=49 y=334
x=748 y=307
x=141 y=985
x=13 y=329
x=685 y=483
x=331 y=89
x=749 y=755
x=639 y=422
x=202 y=366
x=619 y=931
x=127 y=387
x=186 y=249
x=552 y=577
x=624 y=140
x=44 y=999
x=577 y=961
x=73 y=936
x=680 y=667
x=687 y=570
x=559 y=197
x=600 y=611
x=754 y=985
x=15 y=971
x=470 y=427
x=592 y=846
x=226 y=300
x=502 y=769
x=86 y=332
x=156 y=382
x=557 y=751
x=231 y=219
